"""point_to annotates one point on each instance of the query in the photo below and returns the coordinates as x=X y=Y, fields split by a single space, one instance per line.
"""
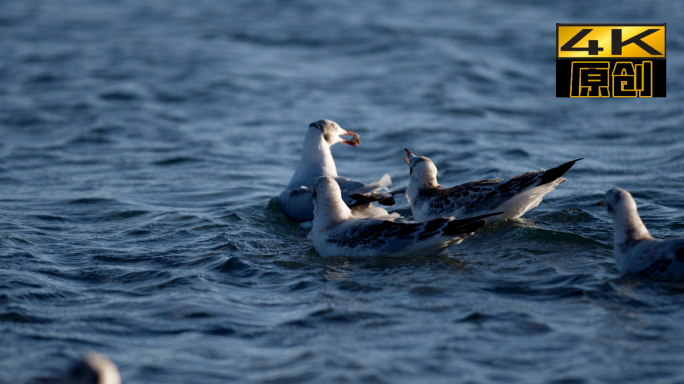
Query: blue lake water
x=143 y=145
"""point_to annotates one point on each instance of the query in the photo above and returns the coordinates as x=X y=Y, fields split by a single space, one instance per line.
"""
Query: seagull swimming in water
x=318 y=161
x=514 y=197
x=93 y=368
x=337 y=233
x=634 y=249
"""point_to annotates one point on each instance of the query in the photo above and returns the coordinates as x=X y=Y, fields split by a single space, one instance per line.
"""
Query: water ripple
x=144 y=147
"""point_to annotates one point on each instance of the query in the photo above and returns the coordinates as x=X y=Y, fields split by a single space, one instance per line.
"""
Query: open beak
x=355 y=141
x=408 y=153
x=601 y=204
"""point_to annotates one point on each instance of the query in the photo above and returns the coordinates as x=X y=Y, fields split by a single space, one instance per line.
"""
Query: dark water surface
x=143 y=144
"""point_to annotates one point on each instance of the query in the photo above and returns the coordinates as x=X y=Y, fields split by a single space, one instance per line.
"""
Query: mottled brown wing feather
x=379 y=233
x=656 y=269
x=488 y=194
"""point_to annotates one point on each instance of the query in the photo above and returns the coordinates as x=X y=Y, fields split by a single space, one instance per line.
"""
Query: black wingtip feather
x=476 y=218
x=470 y=224
x=454 y=228
x=554 y=173
x=387 y=201
x=360 y=199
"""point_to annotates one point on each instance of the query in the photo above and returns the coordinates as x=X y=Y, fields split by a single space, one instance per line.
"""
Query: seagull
x=634 y=249
x=514 y=197
x=318 y=161
x=336 y=232
x=93 y=368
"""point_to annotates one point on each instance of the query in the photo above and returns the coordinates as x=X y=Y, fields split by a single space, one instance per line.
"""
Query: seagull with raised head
x=634 y=249
x=336 y=232
x=514 y=197
x=317 y=161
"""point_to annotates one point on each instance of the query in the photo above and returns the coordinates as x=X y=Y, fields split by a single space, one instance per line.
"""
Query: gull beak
x=355 y=141
x=409 y=154
x=601 y=204
x=310 y=191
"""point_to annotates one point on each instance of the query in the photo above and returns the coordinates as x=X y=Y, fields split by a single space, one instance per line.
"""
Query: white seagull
x=634 y=249
x=93 y=368
x=337 y=233
x=318 y=161
x=514 y=197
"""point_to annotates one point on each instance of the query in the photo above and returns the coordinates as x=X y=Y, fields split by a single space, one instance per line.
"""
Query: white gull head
x=423 y=172
x=329 y=208
x=95 y=368
x=332 y=133
x=629 y=228
x=316 y=158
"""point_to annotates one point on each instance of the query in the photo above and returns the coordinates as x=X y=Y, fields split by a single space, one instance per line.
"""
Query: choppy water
x=143 y=144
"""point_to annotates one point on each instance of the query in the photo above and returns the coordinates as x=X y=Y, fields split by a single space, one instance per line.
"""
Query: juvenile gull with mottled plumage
x=514 y=197
x=634 y=249
x=337 y=233
x=317 y=161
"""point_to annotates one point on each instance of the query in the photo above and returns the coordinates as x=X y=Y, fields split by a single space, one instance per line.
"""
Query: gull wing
x=484 y=195
x=394 y=237
x=666 y=259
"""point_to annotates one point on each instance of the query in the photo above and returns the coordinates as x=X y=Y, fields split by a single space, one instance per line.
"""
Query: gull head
x=618 y=201
x=323 y=187
x=332 y=133
x=420 y=167
x=628 y=225
x=329 y=208
x=94 y=368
